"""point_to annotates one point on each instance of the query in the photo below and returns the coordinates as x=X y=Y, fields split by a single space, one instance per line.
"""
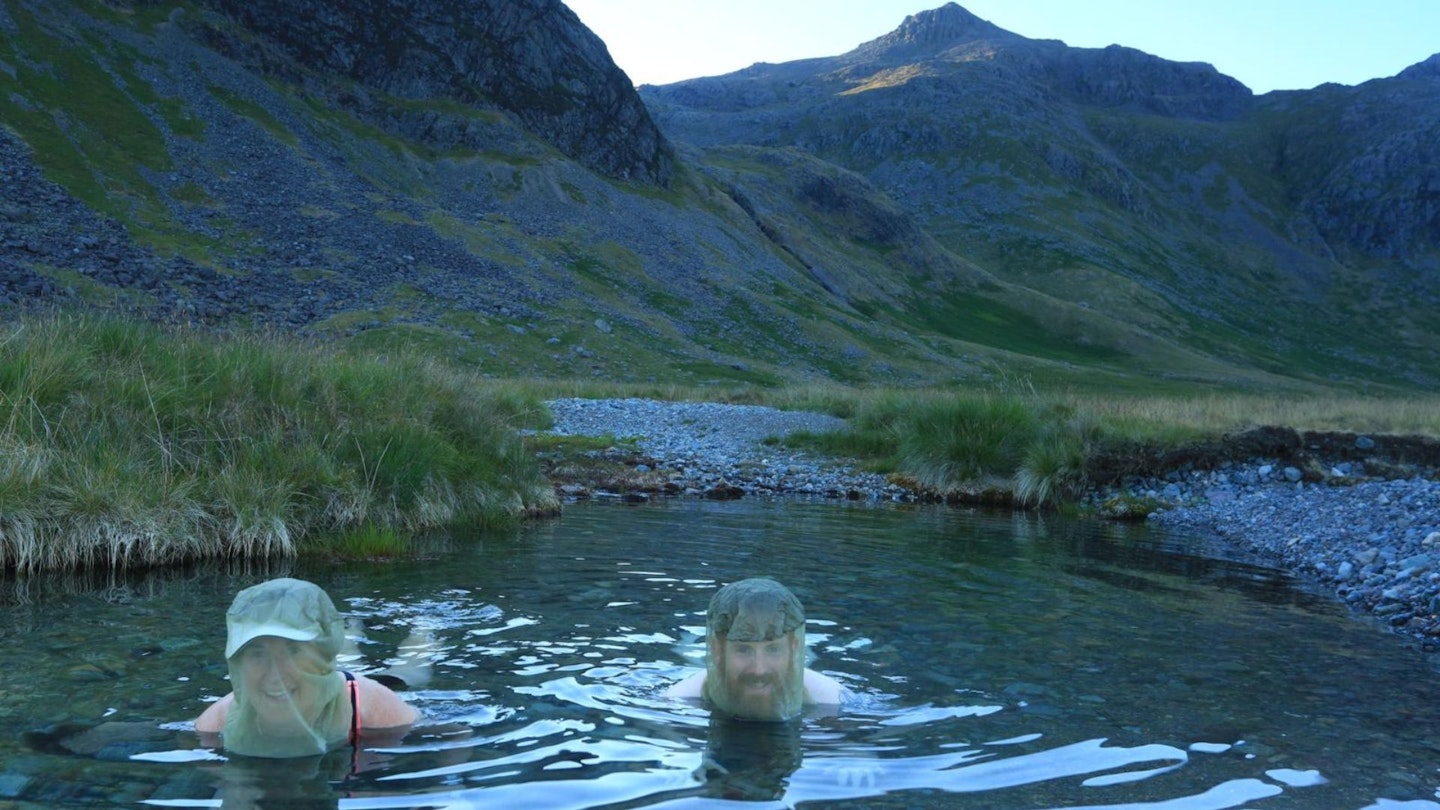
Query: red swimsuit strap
x=354 y=707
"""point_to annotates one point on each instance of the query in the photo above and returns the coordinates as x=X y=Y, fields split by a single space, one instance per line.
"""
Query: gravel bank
x=706 y=448
x=1376 y=543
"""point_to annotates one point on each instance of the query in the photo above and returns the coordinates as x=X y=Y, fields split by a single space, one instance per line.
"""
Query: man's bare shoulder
x=821 y=688
x=691 y=687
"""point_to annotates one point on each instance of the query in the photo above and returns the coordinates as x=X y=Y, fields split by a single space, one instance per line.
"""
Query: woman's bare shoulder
x=381 y=707
x=212 y=719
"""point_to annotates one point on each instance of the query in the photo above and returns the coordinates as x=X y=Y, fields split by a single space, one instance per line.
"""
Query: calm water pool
x=995 y=661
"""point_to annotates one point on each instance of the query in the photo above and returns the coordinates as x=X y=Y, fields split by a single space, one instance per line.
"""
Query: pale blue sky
x=1266 y=44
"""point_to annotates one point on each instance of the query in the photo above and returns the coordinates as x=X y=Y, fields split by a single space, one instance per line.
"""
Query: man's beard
x=768 y=689
x=759 y=697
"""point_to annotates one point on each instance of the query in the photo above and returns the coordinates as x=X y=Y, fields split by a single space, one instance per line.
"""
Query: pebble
x=1374 y=543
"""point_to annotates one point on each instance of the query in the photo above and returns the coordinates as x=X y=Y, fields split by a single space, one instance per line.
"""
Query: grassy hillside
x=307 y=203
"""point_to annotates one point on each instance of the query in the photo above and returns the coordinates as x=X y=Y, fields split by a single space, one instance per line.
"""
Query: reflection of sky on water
x=1044 y=667
x=670 y=773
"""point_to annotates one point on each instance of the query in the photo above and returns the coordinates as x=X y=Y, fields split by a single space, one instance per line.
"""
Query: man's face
x=756 y=674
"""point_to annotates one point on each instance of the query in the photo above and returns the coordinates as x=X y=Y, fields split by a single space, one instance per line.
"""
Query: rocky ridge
x=532 y=58
x=1329 y=189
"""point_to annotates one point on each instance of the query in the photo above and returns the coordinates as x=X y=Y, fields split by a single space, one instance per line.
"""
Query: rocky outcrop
x=531 y=58
x=1364 y=164
x=1117 y=76
x=1428 y=69
x=927 y=33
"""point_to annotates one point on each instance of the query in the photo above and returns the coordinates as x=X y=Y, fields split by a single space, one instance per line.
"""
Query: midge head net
x=755 y=640
x=282 y=639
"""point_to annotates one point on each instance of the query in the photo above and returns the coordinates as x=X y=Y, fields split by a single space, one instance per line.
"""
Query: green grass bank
x=125 y=443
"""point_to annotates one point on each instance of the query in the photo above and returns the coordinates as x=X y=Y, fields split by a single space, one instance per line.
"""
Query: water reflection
x=308 y=784
x=750 y=761
x=1024 y=663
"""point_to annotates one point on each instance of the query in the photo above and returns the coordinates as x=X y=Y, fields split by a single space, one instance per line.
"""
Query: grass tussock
x=126 y=443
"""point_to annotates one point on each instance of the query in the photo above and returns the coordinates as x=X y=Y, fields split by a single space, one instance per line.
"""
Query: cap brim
x=238 y=639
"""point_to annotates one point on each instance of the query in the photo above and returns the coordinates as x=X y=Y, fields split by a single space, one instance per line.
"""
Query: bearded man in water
x=755 y=656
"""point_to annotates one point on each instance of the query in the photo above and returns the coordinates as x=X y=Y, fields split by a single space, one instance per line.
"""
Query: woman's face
x=279 y=678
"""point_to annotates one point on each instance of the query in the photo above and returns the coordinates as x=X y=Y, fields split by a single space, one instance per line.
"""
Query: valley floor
x=1374 y=542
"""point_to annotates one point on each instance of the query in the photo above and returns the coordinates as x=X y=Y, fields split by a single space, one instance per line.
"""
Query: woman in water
x=289 y=700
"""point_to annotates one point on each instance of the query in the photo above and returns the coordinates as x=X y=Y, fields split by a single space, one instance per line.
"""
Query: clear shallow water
x=995 y=660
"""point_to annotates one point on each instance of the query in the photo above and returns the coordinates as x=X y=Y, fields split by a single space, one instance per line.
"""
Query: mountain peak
x=933 y=31
x=1427 y=69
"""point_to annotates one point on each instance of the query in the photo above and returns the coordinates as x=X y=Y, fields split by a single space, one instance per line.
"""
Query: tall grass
x=127 y=443
x=964 y=438
x=945 y=441
x=1162 y=416
x=1039 y=444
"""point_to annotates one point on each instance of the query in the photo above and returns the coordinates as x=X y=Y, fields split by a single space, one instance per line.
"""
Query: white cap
x=286 y=608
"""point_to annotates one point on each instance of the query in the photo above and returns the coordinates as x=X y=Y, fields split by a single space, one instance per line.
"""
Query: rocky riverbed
x=1368 y=530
